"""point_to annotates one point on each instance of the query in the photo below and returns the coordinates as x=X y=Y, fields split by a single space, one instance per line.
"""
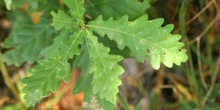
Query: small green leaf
x=144 y=38
x=62 y=20
x=78 y=10
x=105 y=68
x=116 y=8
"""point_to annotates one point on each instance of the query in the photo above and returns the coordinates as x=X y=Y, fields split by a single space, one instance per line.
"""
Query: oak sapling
x=80 y=43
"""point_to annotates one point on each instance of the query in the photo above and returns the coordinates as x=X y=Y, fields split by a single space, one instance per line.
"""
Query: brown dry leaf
x=3 y=100
x=25 y=7
x=70 y=101
x=5 y=24
x=35 y=16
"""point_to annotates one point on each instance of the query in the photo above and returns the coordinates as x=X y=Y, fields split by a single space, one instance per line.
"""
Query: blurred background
x=195 y=85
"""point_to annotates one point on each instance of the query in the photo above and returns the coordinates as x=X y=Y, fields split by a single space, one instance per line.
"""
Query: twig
x=217 y=68
x=9 y=82
x=122 y=100
x=200 y=65
x=206 y=30
x=210 y=24
x=200 y=12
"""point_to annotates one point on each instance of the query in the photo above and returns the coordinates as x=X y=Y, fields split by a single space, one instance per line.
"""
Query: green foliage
x=45 y=78
x=147 y=38
x=13 y=4
x=85 y=80
x=47 y=74
x=62 y=20
x=105 y=68
x=78 y=43
x=27 y=39
x=116 y=8
x=8 y=4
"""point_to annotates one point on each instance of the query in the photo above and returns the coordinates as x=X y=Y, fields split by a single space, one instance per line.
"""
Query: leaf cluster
x=83 y=34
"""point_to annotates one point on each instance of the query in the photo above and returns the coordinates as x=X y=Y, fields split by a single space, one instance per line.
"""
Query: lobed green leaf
x=144 y=38
x=45 y=78
x=78 y=10
x=84 y=83
x=27 y=39
x=47 y=74
x=105 y=68
x=62 y=20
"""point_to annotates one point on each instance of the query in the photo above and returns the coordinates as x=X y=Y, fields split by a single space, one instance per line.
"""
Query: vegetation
x=83 y=43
